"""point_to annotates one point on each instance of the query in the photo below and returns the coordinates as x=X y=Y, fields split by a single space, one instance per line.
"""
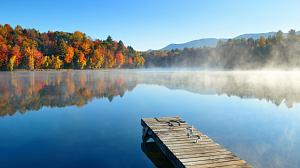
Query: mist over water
x=255 y=114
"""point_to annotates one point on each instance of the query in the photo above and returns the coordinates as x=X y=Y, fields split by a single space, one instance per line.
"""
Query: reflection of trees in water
x=276 y=87
x=23 y=91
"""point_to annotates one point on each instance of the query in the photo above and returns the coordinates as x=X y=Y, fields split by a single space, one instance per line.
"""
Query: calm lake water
x=92 y=118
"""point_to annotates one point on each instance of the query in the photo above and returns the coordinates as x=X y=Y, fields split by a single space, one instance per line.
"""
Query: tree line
x=29 y=49
x=278 y=51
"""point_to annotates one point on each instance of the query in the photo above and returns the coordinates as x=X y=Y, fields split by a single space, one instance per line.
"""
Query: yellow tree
x=69 y=55
x=17 y=53
x=30 y=58
x=81 y=60
x=31 y=63
x=97 y=59
x=56 y=62
x=11 y=63
x=138 y=60
x=15 y=57
x=46 y=62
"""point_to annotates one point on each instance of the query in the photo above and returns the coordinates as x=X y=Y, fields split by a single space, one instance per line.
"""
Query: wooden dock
x=187 y=147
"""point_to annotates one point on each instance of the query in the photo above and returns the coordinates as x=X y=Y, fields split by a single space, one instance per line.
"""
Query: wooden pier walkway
x=186 y=147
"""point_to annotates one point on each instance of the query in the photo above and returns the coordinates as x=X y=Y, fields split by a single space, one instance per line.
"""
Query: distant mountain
x=212 y=42
x=206 y=42
x=255 y=35
x=258 y=35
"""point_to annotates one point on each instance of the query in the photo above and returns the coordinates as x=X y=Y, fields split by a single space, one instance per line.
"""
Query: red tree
x=120 y=58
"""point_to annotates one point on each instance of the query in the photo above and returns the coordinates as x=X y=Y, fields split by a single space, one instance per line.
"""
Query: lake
x=92 y=118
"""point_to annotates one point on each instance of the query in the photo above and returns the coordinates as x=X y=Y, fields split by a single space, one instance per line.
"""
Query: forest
x=29 y=49
x=278 y=51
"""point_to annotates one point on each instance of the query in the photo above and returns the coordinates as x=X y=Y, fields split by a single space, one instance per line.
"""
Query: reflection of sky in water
x=108 y=134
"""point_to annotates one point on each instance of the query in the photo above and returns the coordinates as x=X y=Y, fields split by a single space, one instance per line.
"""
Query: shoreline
x=48 y=70
x=158 y=70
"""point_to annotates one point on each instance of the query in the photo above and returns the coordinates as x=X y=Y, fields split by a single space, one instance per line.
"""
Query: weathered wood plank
x=219 y=164
x=185 y=146
x=203 y=155
x=199 y=152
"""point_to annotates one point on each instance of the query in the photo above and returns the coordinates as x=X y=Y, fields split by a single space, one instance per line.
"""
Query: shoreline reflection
x=25 y=91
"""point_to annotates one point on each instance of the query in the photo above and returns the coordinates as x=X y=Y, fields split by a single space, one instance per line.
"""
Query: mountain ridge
x=212 y=42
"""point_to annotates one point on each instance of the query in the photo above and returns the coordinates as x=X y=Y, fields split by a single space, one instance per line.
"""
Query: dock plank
x=186 y=147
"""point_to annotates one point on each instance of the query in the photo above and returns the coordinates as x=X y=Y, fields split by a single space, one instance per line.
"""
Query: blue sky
x=152 y=24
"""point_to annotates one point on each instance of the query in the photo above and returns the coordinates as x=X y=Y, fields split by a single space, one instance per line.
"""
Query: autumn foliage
x=29 y=49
